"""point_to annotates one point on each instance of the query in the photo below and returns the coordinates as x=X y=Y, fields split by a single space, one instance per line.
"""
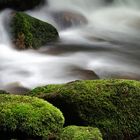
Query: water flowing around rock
x=97 y=36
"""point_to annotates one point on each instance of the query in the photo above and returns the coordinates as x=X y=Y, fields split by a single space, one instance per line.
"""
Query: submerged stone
x=67 y=19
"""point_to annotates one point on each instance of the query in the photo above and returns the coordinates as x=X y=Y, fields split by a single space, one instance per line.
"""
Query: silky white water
x=110 y=38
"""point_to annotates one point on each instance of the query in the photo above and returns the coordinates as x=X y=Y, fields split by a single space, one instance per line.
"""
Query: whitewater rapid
x=109 y=45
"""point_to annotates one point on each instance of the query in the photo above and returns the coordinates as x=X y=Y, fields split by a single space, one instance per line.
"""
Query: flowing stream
x=106 y=44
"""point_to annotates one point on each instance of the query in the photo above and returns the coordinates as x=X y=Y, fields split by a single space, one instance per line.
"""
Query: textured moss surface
x=20 y=4
x=41 y=91
x=29 y=32
x=110 y=105
x=80 y=133
x=27 y=117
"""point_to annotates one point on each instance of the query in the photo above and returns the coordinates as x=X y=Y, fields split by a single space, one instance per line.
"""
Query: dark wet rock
x=20 y=5
x=67 y=19
x=83 y=73
x=16 y=88
x=129 y=76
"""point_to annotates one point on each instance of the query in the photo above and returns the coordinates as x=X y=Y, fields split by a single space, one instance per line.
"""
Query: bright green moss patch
x=23 y=116
x=45 y=89
x=28 y=32
x=80 y=133
x=110 y=105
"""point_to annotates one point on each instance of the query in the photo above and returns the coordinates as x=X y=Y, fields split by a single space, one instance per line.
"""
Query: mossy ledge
x=80 y=133
x=30 y=33
x=28 y=117
x=20 y=5
x=110 y=105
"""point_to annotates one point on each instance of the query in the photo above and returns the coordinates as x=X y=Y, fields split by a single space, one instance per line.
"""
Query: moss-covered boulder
x=28 y=32
x=41 y=91
x=110 y=105
x=80 y=133
x=20 y=4
x=28 y=117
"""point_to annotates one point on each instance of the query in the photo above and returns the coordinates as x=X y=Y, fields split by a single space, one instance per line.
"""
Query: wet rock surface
x=67 y=19
x=21 y=5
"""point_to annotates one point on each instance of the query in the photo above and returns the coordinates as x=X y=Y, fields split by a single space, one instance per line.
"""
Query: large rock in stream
x=67 y=19
x=30 y=33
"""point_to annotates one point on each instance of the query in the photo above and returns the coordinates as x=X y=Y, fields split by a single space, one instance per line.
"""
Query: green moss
x=23 y=116
x=45 y=89
x=110 y=105
x=20 y=4
x=80 y=133
x=28 y=32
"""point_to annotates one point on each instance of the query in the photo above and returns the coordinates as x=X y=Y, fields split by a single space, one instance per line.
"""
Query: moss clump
x=110 y=105
x=20 y=4
x=39 y=91
x=28 y=32
x=28 y=117
x=80 y=133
